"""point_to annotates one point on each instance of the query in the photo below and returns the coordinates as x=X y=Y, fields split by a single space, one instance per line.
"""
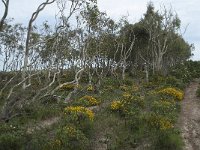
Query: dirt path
x=43 y=124
x=190 y=118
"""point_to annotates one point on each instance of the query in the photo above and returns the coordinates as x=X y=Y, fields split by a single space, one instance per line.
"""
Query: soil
x=190 y=118
x=43 y=124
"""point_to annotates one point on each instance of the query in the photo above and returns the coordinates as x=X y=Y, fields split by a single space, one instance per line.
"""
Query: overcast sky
x=187 y=10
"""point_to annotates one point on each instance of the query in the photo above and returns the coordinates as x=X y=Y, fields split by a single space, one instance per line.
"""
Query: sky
x=187 y=10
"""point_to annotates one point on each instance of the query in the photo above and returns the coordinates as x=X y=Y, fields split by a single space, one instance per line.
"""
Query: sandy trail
x=190 y=118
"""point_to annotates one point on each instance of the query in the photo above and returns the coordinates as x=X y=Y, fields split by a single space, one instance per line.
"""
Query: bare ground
x=190 y=118
x=43 y=124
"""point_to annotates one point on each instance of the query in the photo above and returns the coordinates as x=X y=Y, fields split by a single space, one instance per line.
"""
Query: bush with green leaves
x=198 y=92
x=87 y=101
x=71 y=138
x=167 y=140
x=11 y=137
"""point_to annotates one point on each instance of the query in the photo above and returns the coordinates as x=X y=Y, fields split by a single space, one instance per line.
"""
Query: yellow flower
x=57 y=142
x=71 y=131
x=177 y=94
x=78 y=110
x=69 y=87
x=116 y=105
x=160 y=122
x=135 y=88
x=89 y=100
x=124 y=88
x=126 y=95
x=90 y=88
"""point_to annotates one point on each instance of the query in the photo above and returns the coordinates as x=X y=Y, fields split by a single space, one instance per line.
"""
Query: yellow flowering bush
x=138 y=101
x=88 y=101
x=175 y=93
x=70 y=131
x=116 y=105
x=79 y=112
x=133 y=101
x=159 y=122
x=126 y=95
x=68 y=87
x=55 y=144
x=67 y=136
x=135 y=88
x=90 y=88
x=128 y=102
x=124 y=88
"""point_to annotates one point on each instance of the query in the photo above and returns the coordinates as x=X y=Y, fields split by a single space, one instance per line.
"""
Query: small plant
x=198 y=92
x=134 y=102
x=81 y=117
x=90 y=88
x=172 y=92
x=88 y=101
x=124 y=88
x=135 y=88
x=79 y=113
x=71 y=138
x=67 y=87
x=11 y=137
x=159 y=122
x=126 y=95
x=163 y=107
x=167 y=140
x=116 y=105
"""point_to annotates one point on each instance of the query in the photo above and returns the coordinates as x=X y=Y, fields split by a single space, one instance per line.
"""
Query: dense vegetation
x=94 y=83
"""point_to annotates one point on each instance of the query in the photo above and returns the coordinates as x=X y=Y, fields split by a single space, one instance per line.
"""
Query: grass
x=198 y=91
x=126 y=129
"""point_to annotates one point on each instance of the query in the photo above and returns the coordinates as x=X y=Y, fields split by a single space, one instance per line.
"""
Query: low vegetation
x=93 y=83
x=122 y=115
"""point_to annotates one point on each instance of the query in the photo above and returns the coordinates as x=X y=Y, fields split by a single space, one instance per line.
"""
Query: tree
x=33 y=18
x=2 y=21
x=161 y=27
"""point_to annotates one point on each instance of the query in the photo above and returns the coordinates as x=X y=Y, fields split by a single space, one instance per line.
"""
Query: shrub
x=11 y=137
x=133 y=102
x=116 y=105
x=156 y=121
x=111 y=82
x=172 y=92
x=163 y=107
x=81 y=117
x=124 y=88
x=168 y=140
x=198 y=92
x=79 y=113
x=126 y=95
x=174 y=82
x=135 y=88
x=88 y=101
x=67 y=87
x=90 y=88
x=69 y=137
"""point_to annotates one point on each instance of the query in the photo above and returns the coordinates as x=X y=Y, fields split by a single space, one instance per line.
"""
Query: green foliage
x=168 y=140
x=11 y=137
x=198 y=92
x=130 y=113
x=111 y=82
x=69 y=137
x=87 y=101
x=186 y=71
x=174 y=82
